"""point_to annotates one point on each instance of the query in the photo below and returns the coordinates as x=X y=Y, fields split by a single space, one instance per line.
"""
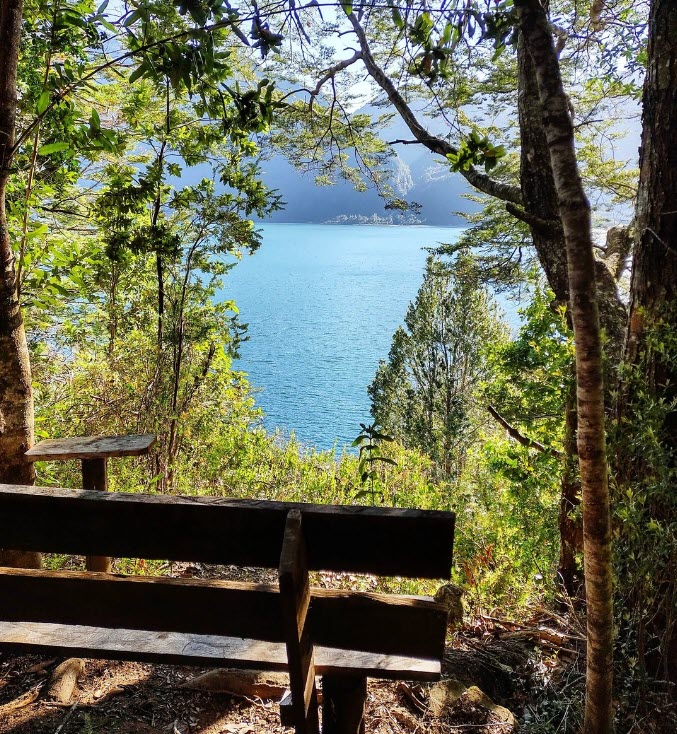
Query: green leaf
x=381 y=436
x=43 y=101
x=132 y=18
x=383 y=459
x=397 y=18
x=137 y=73
x=50 y=148
x=42 y=229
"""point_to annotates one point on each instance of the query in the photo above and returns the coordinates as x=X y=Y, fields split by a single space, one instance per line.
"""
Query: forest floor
x=132 y=698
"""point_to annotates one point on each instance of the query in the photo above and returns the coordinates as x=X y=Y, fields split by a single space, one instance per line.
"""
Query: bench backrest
x=382 y=541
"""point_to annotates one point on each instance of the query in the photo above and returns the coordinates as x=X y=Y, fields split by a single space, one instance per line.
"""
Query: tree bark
x=539 y=193
x=654 y=272
x=16 y=399
x=577 y=225
x=540 y=200
x=568 y=521
x=653 y=303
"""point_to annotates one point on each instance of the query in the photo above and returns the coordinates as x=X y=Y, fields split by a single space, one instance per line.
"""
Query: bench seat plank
x=91 y=447
x=364 y=621
x=174 y=648
x=383 y=541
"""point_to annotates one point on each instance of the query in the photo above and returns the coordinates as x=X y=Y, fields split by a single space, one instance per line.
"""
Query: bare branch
x=333 y=71
x=532 y=220
x=481 y=181
x=521 y=439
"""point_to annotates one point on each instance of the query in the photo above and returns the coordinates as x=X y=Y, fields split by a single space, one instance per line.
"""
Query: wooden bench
x=343 y=636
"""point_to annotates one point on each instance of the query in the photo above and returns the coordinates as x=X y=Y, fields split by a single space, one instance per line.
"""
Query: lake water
x=322 y=303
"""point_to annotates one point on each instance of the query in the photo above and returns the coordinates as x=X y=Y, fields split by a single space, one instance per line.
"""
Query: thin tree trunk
x=539 y=193
x=570 y=530
x=16 y=399
x=577 y=225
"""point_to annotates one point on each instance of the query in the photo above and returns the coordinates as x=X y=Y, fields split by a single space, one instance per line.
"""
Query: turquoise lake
x=322 y=302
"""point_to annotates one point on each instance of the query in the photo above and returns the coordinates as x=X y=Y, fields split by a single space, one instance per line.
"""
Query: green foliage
x=424 y=393
x=513 y=491
x=476 y=150
x=372 y=461
x=644 y=506
x=501 y=245
x=532 y=374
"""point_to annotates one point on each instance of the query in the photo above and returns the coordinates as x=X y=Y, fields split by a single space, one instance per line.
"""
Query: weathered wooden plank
x=91 y=447
x=350 y=620
x=411 y=625
x=385 y=541
x=201 y=650
x=95 y=477
x=295 y=602
x=293 y=575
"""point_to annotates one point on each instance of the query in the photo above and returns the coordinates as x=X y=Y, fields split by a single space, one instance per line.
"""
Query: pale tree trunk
x=541 y=207
x=577 y=225
x=16 y=399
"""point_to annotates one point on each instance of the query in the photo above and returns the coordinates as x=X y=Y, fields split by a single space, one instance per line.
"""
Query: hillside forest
x=133 y=139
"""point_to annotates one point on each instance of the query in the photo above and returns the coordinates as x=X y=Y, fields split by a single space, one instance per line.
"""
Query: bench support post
x=343 y=700
x=295 y=600
x=94 y=476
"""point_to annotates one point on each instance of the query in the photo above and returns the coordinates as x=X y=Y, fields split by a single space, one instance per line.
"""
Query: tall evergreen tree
x=425 y=393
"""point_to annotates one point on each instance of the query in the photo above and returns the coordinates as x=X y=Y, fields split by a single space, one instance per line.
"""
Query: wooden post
x=295 y=600
x=343 y=700
x=94 y=476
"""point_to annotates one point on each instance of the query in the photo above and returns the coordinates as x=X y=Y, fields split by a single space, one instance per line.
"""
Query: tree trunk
x=654 y=273
x=570 y=529
x=539 y=193
x=577 y=225
x=16 y=399
x=653 y=306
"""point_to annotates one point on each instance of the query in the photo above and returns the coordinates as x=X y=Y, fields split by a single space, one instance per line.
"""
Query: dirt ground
x=132 y=698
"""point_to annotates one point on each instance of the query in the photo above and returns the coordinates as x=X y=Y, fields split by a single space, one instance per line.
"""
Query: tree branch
x=532 y=220
x=332 y=71
x=514 y=433
x=482 y=182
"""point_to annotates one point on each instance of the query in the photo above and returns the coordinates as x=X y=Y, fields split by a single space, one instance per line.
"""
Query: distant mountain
x=423 y=181
x=418 y=176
